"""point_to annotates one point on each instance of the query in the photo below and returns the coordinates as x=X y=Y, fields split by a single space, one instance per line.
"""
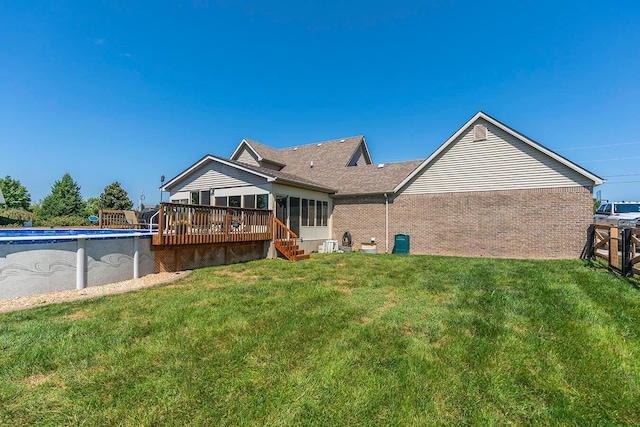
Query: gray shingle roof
x=373 y=179
x=284 y=176
x=264 y=151
x=329 y=170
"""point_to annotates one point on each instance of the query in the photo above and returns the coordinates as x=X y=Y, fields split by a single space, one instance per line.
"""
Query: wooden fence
x=108 y=218
x=181 y=224
x=620 y=247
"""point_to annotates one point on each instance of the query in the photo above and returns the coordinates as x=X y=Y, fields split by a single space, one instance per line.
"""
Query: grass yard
x=340 y=339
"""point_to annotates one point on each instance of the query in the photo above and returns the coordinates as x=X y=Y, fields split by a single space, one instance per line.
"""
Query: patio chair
x=132 y=219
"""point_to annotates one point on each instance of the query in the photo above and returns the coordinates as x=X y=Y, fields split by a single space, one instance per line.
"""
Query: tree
x=15 y=194
x=115 y=197
x=64 y=199
x=93 y=206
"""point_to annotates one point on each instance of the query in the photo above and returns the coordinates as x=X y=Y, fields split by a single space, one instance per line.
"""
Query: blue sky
x=128 y=91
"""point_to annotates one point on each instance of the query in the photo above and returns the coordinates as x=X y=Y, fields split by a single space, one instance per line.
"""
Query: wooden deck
x=182 y=224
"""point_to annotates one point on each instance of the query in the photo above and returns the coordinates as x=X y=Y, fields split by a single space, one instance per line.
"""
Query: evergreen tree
x=15 y=194
x=115 y=197
x=64 y=200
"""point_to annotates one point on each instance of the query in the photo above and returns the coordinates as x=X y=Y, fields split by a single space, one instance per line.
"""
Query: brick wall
x=363 y=217
x=539 y=223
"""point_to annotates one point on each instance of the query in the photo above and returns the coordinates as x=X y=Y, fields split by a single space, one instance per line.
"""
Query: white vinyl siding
x=501 y=162
x=217 y=175
x=247 y=156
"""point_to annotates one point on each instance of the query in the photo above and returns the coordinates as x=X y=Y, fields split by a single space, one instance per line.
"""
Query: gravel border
x=31 y=301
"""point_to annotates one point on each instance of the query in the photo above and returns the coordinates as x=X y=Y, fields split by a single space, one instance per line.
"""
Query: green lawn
x=340 y=339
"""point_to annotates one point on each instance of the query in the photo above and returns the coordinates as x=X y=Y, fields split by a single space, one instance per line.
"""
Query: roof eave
x=303 y=185
x=368 y=193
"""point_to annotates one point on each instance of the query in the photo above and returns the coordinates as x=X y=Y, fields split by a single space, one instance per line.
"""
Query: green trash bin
x=401 y=245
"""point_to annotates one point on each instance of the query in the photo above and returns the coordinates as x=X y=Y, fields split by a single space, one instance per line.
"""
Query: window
x=195 y=197
x=235 y=201
x=250 y=201
x=627 y=208
x=325 y=213
x=205 y=197
x=605 y=209
x=312 y=213
x=262 y=201
x=305 y=212
x=318 y=213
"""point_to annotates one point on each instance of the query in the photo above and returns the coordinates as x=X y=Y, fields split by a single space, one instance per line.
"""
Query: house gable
x=493 y=158
x=215 y=172
x=217 y=175
x=360 y=156
x=246 y=155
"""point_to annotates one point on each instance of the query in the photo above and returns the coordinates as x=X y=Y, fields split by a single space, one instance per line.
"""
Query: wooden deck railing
x=181 y=224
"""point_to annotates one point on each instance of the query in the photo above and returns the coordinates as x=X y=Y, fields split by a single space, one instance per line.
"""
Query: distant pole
x=141 y=199
x=161 y=184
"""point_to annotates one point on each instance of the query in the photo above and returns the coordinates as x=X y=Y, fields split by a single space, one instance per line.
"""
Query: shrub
x=65 y=221
x=15 y=216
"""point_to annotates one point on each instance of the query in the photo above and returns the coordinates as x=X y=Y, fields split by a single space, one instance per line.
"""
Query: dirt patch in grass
x=38 y=379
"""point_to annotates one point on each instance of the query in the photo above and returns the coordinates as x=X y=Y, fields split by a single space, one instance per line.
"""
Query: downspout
x=386 y=223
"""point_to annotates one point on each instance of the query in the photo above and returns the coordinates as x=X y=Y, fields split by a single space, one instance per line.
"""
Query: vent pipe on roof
x=381 y=165
x=342 y=140
x=319 y=144
x=311 y=164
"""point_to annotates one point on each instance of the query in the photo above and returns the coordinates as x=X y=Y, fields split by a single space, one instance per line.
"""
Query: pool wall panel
x=27 y=269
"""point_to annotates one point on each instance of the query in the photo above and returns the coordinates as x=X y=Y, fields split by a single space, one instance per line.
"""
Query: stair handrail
x=280 y=229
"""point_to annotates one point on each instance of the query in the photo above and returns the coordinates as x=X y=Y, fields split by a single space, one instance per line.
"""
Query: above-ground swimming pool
x=35 y=261
x=48 y=235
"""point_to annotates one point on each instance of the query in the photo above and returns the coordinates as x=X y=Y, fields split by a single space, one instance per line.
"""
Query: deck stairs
x=286 y=242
